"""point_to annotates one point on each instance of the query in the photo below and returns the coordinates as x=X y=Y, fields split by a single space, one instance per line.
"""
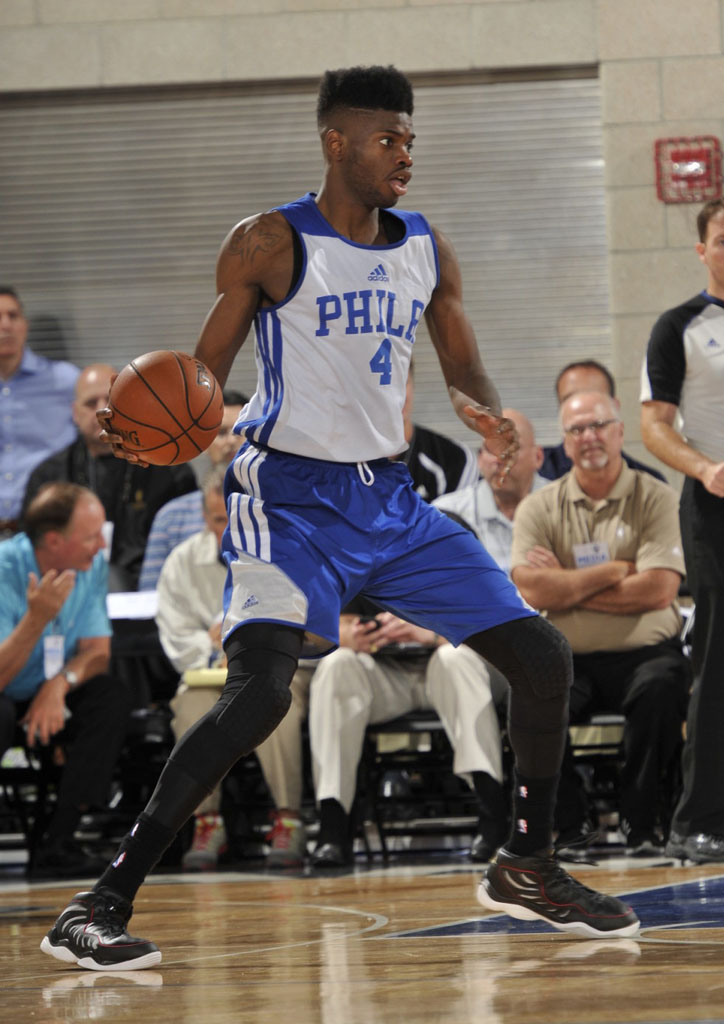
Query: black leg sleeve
x=536 y=660
x=262 y=659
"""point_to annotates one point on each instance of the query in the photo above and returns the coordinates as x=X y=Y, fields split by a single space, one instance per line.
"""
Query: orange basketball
x=166 y=406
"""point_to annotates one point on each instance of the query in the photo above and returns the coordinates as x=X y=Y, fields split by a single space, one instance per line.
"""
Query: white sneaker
x=288 y=841
x=209 y=841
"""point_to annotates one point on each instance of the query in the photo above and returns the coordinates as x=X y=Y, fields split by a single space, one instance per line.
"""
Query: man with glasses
x=583 y=375
x=600 y=551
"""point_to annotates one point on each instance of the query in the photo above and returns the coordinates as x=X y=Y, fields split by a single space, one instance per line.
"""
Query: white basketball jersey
x=332 y=358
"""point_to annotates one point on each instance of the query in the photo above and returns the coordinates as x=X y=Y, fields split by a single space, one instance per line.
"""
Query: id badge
x=107 y=533
x=593 y=553
x=53 y=654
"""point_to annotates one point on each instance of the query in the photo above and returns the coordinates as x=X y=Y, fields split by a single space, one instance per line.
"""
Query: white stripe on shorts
x=246 y=469
x=243 y=516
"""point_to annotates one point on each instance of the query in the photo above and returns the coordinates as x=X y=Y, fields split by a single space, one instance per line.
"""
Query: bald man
x=489 y=505
x=131 y=496
x=584 y=375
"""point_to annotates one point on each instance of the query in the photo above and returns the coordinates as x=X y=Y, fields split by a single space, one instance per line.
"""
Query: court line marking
x=378 y=921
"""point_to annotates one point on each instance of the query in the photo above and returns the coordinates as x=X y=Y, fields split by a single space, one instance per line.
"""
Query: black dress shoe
x=484 y=845
x=330 y=855
x=701 y=847
x=65 y=858
x=643 y=843
x=572 y=844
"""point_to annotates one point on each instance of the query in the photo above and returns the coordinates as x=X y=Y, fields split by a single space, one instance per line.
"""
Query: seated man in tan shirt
x=599 y=551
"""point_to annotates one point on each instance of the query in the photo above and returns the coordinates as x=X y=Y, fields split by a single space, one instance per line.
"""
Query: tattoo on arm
x=250 y=242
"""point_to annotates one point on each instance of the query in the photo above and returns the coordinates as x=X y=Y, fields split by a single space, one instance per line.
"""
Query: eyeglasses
x=579 y=429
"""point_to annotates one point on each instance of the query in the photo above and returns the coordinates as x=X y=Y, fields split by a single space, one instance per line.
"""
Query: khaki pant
x=351 y=691
x=280 y=755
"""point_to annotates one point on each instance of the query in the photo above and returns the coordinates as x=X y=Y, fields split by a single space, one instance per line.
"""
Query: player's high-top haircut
x=364 y=88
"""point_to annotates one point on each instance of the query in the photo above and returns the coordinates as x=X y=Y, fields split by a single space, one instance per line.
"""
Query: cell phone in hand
x=370 y=618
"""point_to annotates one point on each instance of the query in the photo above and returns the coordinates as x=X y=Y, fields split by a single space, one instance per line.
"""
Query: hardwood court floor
x=379 y=945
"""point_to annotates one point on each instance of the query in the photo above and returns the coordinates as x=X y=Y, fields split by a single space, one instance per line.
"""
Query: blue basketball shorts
x=306 y=536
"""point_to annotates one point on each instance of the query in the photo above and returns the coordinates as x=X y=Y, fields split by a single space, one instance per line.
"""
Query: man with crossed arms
x=600 y=552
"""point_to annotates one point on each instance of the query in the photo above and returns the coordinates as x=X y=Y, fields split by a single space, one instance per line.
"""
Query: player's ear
x=334 y=144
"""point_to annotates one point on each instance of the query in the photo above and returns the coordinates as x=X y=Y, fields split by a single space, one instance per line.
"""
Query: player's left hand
x=501 y=436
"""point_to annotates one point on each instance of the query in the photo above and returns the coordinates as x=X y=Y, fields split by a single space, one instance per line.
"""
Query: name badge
x=107 y=533
x=593 y=553
x=53 y=654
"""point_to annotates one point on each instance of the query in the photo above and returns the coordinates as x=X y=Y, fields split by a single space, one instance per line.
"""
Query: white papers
x=132 y=604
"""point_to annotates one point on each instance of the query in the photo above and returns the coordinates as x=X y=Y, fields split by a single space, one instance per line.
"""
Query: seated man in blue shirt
x=54 y=656
x=35 y=402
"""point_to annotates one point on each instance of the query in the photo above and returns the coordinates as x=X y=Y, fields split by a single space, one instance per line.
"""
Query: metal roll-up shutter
x=114 y=204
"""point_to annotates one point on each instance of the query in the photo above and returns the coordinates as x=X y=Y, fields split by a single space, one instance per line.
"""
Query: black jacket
x=130 y=494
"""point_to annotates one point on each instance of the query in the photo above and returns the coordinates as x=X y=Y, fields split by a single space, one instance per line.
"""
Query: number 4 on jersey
x=381 y=362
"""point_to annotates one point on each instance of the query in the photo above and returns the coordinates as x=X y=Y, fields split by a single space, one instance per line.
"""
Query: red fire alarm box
x=688 y=170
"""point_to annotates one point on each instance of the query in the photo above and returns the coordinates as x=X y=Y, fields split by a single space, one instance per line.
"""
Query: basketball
x=166 y=406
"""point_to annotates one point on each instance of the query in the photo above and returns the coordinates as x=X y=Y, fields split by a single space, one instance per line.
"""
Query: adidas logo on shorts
x=250 y=602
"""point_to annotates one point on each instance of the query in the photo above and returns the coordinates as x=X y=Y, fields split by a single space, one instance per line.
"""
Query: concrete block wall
x=662 y=75
x=661 y=67
x=76 y=43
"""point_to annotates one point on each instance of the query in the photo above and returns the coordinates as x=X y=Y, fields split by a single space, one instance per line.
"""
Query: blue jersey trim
x=712 y=299
x=304 y=215
x=271 y=350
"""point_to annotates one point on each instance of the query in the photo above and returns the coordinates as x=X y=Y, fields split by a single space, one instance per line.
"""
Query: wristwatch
x=71 y=677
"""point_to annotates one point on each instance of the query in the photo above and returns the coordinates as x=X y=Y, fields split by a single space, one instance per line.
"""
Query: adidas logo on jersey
x=713 y=343
x=378 y=274
x=250 y=602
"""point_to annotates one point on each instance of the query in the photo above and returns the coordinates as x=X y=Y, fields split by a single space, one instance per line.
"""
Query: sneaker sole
x=68 y=957
x=490 y=902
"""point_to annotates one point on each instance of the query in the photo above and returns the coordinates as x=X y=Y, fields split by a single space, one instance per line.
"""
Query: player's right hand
x=115 y=440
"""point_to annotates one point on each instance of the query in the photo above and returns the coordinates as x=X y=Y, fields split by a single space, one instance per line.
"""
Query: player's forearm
x=475 y=390
x=216 y=358
x=667 y=444
x=558 y=590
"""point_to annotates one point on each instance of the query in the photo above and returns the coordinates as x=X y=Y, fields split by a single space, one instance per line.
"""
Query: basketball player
x=335 y=285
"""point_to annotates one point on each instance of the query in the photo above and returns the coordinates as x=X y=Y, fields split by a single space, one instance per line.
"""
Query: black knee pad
x=538 y=664
x=531 y=653
x=262 y=659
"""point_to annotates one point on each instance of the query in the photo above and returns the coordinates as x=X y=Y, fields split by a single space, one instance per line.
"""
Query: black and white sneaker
x=538 y=888
x=91 y=932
